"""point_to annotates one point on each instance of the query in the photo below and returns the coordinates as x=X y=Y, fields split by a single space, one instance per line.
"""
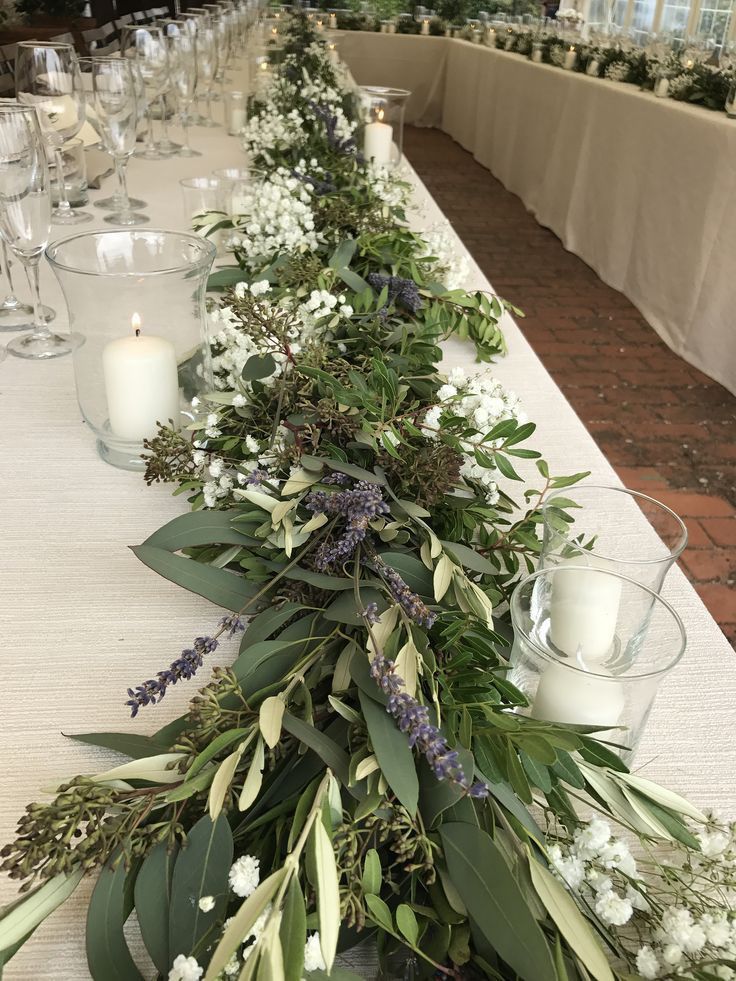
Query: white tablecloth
x=82 y=619
x=642 y=189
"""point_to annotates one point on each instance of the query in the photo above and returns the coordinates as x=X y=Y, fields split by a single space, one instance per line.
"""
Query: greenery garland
x=363 y=769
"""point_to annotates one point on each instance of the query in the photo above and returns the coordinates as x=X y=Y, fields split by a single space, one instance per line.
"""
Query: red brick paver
x=667 y=428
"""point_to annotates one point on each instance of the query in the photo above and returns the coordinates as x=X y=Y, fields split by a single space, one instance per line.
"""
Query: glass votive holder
x=136 y=299
x=381 y=131
x=200 y=195
x=537 y=53
x=592 y=649
x=236 y=112
x=490 y=37
x=570 y=58
x=509 y=38
x=75 y=174
x=233 y=195
x=602 y=527
x=730 y=104
x=593 y=66
x=662 y=86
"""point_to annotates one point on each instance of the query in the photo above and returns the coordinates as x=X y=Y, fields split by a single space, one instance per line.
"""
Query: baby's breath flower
x=244 y=875
x=185 y=969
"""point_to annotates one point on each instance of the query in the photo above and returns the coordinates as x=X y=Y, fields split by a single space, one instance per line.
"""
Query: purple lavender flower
x=370 y=613
x=319 y=187
x=256 y=477
x=347 y=146
x=413 y=718
x=410 y=603
x=232 y=624
x=182 y=669
x=404 y=292
x=359 y=505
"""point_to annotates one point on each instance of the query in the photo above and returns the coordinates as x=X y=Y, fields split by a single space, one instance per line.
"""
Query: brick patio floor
x=668 y=429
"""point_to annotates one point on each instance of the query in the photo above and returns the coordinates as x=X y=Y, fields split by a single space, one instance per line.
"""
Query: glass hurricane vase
x=136 y=297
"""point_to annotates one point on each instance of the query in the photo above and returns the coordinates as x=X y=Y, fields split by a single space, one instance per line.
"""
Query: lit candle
x=509 y=42
x=274 y=32
x=689 y=63
x=491 y=37
x=377 y=142
x=332 y=52
x=333 y=22
x=583 y=609
x=578 y=698
x=320 y=25
x=571 y=58
x=141 y=383
x=425 y=26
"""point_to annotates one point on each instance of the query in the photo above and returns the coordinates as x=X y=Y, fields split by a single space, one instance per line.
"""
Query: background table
x=82 y=619
x=642 y=189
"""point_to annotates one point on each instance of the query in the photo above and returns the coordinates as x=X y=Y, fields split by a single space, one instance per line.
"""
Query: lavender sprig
x=359 y=506
x=182 y=669
x=319 y=187
x=413 y=718
x=347 y=146
x=410 y=603
x=404 y=292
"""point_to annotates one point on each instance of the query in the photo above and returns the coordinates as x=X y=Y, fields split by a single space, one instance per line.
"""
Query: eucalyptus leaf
x=328 y=894
x=393 y=753
x=23 y=916
x=152 y=900
x=293 y=931
x=216 y=585
x=108 y=956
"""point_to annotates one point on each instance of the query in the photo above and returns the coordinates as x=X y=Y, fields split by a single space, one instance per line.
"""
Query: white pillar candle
x=425 y=26
x=332 y=52
x=333 y=22
x=320 y=25
x=578 y=698
x=491 y=37
x=377 y=141
x=537 y=55
x=392 y=28
x=237 y=120
x=583 y=609
x=662 y=88
x=141 y=383
x=571 y=59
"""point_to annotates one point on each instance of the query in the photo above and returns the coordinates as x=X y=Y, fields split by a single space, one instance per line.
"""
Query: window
x=714 y=19
x=675 y=14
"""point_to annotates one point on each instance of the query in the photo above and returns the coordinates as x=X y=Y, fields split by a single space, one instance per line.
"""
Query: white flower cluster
x=385 y=186
x=618 y=71
x=453 y=267
x=244 y=878
x=320 y=305
x=680 y=84
x=273 y=130
x=589 y=865
x=570 y=14
x=483 y=402
x=277 y=217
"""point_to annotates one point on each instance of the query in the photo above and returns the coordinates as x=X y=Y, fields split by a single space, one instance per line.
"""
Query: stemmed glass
x=224 y=48
x=25 y=218
x=47 y=77
x=116 y=108
x=147 y=48
x=207 y=65
x=183 y=58
x=15 y=315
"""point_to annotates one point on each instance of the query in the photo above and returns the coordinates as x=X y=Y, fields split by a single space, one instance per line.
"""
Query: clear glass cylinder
x=381 y=130
x=592 y=648
x=136 y=301
x=602 y=527
x=236 y=112
x=537 y=53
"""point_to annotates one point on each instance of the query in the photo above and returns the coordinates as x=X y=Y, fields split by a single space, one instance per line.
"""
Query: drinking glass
x=183 y=54
x=116 y=108
x=47 y=77
x=592 y=648
x=207 y=65
x=25 y=218
x=146 y=46
x=14 y=315
x=194 y=19
x=604 y=528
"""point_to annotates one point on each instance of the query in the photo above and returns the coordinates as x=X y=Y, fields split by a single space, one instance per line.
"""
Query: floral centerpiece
x=362 y=770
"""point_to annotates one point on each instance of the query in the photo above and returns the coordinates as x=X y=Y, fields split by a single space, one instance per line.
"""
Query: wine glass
x=146 y=46
x=183 y=55
x=15 y=315
x=25 y=218
x=47 y=77
x=116 y=102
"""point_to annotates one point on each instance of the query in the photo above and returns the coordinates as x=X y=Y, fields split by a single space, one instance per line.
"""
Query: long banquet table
x=83 y=619
x=642 y=189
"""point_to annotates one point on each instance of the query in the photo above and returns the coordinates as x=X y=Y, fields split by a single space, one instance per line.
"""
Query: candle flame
x=135 y=323
x=572 y=47
x=264 y=66
x=379 y=115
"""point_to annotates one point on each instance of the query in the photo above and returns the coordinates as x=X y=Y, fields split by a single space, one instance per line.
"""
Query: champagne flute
x=146 y=46
x=25 y=218
x=116 y=109
x=183 y=52
x=47 y=77
x=207 y=65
